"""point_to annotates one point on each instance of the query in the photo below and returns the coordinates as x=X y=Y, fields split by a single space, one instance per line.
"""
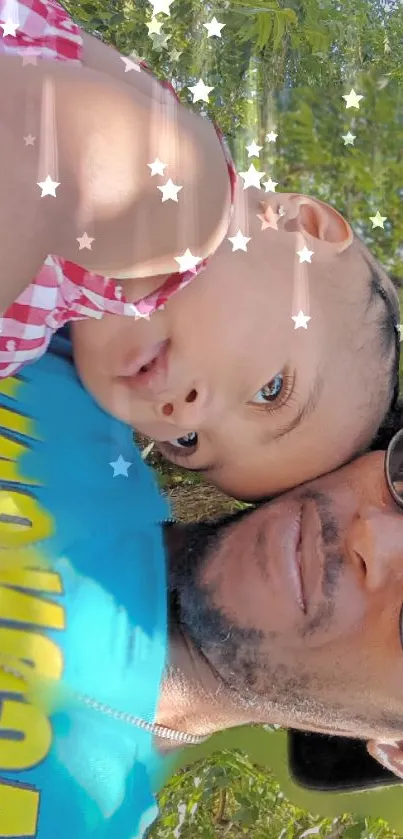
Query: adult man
x=87 y=677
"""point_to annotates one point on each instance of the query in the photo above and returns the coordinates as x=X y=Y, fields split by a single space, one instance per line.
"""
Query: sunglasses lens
x=395 y=466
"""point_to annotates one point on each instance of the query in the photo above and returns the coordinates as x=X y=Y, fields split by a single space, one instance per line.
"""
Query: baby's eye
x=270 y=391
x=188 y=442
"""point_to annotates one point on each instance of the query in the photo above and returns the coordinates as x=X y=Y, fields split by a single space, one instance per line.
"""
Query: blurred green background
x=279 y=66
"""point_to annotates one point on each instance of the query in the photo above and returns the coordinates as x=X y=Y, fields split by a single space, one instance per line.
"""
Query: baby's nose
x=189 y=409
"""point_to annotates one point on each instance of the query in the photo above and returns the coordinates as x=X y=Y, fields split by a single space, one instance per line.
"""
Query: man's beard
x=234 y=652
x=191 y=602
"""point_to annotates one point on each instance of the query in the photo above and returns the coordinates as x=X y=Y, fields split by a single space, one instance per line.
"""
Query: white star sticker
x=352 y=99
x=160 y=41
x=29 y=140
x=30 y=56
x=48 y=187
x=214 y=28
x=187 y=262
x=200 y=91
x=378 y=220
x=157 y=168
x=120 y=467
x=9 y=28
x=85 y=241
x=269 y=219
x=154 y=26
x=130 y=64
x=161 y=7
x=138 y=314
x=254 y=150
x=301 y=320
x=271 y=137
x=349 y=138
x=175 y=54
x=270 y=185
x=170 y=191
x=305 y=254
x=239 y=241
x=252 y=177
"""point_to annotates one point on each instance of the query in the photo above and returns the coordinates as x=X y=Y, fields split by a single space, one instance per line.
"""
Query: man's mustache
x=333 y=558
x=323 y=506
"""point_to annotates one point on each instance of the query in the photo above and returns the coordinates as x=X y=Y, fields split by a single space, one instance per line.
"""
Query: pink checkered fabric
x=63 y=291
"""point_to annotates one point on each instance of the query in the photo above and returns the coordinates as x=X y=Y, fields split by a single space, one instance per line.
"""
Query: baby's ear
x=318 y=220
x=389 y=755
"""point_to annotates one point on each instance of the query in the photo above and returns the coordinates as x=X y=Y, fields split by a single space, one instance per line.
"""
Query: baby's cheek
x=92 y=343
x=90 y=340
x=94 y=335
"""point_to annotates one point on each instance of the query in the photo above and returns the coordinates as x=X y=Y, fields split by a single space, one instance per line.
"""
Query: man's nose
x=376 y=538
x=189 y=409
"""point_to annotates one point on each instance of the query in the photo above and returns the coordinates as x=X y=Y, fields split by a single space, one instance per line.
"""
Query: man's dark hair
x=389 y=326
x=390 y=321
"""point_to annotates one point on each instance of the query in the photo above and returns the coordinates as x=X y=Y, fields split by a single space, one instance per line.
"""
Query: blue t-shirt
x=82 y=606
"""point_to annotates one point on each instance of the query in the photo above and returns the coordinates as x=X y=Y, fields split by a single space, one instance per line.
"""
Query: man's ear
x=389 y=755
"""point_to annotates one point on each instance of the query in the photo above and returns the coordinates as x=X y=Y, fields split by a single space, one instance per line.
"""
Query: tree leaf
x=265 y=26
x=279 y=30
x=355 y=831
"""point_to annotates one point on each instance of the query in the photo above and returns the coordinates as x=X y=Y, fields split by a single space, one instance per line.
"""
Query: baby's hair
x=391 y=424
x=389 y=323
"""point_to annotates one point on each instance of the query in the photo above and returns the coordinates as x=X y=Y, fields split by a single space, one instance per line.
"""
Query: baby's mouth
x=147 y=372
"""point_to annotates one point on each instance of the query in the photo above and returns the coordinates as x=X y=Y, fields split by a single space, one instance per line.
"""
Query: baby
x=276 y=364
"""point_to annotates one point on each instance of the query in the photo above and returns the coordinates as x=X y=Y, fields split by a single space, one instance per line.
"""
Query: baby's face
x=236 y=391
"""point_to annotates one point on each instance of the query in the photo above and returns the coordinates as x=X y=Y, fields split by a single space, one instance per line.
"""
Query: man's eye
x=188 y=442
x=270 y=391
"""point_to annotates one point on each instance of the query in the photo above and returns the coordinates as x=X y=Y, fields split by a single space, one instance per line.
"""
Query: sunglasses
x=394 y=467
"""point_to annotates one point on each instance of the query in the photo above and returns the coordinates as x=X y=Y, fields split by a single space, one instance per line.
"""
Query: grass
x=191 y=497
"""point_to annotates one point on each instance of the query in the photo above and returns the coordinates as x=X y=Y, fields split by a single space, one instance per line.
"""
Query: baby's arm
x=106 y=132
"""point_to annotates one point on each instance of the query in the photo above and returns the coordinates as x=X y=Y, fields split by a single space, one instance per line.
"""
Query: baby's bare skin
x=231 y=332
x=107 y=131
x=269 y=406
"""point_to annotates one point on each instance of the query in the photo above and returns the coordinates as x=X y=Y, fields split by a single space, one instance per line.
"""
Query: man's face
x=298 y=604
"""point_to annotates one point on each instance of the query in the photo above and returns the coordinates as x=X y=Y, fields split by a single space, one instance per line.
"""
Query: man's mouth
x=310 y=553
x=297 y=542
x=293 y=559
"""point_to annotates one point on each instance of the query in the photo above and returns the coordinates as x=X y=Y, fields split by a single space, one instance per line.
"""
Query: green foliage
x=285 y=65
x=226 y=796
x=280 y=65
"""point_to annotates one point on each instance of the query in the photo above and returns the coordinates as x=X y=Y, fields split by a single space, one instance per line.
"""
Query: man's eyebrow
x=307 y=409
